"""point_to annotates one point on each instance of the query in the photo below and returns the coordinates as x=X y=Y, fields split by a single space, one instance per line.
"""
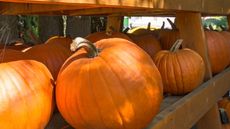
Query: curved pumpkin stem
x=176 y=45
x=110 y=31
x=149 y=26
x=163 y=25
x=79 y=43
x=172 y=24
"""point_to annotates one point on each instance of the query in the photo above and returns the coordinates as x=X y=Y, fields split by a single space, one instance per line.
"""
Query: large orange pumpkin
x=26 y=95
x=148 y=43
x=181 y=70
x=94 y=37
x=218 y=51
x=225 y=104
x=114 y=85
x=52 y=55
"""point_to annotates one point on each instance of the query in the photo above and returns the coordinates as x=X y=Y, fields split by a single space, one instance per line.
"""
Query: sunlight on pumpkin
x=127 y=111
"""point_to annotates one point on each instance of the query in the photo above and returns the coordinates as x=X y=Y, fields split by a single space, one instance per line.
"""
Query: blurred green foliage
x=217 y=23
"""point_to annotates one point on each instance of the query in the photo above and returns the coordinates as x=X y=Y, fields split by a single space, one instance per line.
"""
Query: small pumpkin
x=218 y=51
x=110 y=84
x=26 y=95
x=225 y=104
x=181 y=70
x=148 y=43
x=94 y=37
x=52 y=55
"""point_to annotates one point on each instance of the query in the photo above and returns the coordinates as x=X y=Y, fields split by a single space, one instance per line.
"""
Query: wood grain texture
x=204 y=6
x=184 y=113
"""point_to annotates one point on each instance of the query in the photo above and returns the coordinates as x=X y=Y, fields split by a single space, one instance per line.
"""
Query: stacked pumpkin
x=26 y=92
x=218 y=50
x=27 y=85
x=109 y=84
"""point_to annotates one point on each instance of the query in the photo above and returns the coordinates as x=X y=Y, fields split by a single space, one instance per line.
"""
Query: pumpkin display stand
x=198 y=107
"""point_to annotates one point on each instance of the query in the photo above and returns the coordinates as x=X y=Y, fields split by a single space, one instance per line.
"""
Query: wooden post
x=192 y=32
x=114 y=22
x=228 y=19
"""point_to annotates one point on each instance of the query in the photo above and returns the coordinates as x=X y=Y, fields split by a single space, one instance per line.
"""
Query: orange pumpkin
x=64 y=41
x=226 y=35
x=148 y=43
x=225 y=104
x=26 y=95
x=7 y=55
x=114 y=85
x=181 y=70
x=52 y=55
x=218 y=51
x=94 y=37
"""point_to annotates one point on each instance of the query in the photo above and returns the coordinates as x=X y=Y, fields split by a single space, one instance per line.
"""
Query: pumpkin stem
x=80 y=42
x=110 y=31
x=176 y=45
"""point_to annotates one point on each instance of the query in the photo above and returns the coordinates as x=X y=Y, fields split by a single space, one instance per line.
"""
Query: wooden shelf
x=124 y=7
x=185 y=112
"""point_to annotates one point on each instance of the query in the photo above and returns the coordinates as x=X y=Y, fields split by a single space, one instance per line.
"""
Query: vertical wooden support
x=114 y=22
x=192 y=32
x=228 y=19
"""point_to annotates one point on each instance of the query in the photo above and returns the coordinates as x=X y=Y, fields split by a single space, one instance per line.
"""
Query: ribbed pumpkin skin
x=218 y=51
x=225 y=103
x=181 y=71
x=52 y=55
x=227 y=38
x=167 y=37
x=64 y=41
x=94 y=37
x=148 y=43
x=120 y=88
x=25 y=95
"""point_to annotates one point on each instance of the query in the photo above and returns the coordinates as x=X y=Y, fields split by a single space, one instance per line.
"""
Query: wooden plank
x=204 y=6
x=113 y=23
x=191 y=31
x=188 y=110
x=210 y=120
x=19 y=8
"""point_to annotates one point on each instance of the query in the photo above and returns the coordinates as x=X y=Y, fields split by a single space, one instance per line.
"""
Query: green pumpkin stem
x=79 y=43
x=176 y=45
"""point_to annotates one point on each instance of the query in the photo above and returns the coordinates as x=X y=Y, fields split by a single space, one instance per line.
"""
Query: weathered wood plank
x=188 y=110
x=204 y=6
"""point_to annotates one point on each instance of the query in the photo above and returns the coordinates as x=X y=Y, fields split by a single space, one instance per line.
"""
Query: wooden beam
x=20 y=8
x=220 y=7
x=210 y=120
x=184 y=113
x=192 y=32
x=114 y=23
